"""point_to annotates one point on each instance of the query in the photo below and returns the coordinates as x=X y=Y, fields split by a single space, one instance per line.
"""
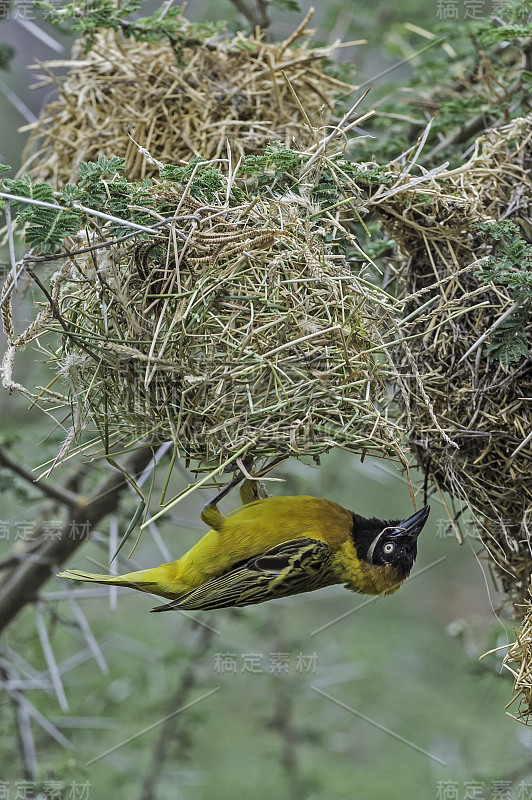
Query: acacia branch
x=283 y=721
x=174 y=729
x=257 y=19
x=478 y=123
x=23 y=584
x=58 y=493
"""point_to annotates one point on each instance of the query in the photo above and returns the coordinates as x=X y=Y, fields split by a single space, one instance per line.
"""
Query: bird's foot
x=210 y=513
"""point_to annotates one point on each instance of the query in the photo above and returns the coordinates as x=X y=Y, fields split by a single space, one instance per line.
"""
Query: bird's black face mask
x=379 y=542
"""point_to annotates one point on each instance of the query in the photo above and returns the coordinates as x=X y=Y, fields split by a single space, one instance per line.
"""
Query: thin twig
x=50 y=659
x=489 y=331
x=91 y=212
x=24 y=734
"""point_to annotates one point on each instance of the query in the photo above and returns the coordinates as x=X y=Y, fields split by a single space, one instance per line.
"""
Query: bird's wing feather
x=300 y=565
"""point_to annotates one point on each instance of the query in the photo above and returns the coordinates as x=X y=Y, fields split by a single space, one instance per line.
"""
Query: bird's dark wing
x=300 y=565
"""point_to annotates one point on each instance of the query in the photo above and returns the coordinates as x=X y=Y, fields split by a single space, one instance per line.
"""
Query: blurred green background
x=403 y=688
x=325 y=696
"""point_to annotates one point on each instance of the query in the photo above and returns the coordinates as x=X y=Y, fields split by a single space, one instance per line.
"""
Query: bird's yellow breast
x=359 y=576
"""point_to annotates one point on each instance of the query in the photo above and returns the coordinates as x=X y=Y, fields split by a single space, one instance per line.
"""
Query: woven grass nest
x=235 y=330
x=470 y=416
x=518 y=660
x=238 y=89
x=470 y=426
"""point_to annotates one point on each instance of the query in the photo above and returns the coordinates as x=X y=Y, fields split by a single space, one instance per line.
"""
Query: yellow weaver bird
x=276 y=547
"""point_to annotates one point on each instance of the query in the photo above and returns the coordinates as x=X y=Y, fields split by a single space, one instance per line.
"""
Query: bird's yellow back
x=250 y=530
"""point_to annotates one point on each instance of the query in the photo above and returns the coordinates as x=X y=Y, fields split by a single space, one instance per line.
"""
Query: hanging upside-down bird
x=276 y=547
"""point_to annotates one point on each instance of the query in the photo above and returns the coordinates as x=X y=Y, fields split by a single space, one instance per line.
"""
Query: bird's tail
x=133 y=580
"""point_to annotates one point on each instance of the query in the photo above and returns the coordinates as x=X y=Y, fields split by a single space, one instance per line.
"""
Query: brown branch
x=23 y=585
x=172 y=728
x=58 y=493
x=264 y=21
x=257 y=19
x=478 y=123
x=283 y=723
x=470 y=128
x=283 y=720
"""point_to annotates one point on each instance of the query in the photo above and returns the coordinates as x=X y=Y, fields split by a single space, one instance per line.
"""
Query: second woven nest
x=471 y=425
x=226 y=88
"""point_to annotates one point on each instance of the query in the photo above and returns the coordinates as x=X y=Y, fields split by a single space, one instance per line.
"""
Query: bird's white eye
x=388 y=548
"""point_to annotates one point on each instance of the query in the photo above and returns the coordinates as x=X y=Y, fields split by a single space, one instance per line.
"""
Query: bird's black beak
x=415 y=524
